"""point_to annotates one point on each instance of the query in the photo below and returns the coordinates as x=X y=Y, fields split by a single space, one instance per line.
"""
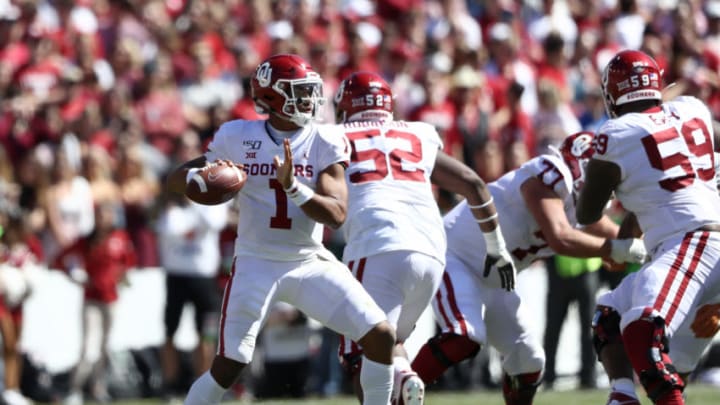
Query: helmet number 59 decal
x=697 y=138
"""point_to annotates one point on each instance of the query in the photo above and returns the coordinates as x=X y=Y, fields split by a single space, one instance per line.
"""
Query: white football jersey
x=391 y=203
x=667 y=167
x=522 y=234
x=270 y=226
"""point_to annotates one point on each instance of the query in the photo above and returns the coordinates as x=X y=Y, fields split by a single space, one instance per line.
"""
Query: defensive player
x=657 y=158
x=394 y=232
x=535 y=205
x=296 y=183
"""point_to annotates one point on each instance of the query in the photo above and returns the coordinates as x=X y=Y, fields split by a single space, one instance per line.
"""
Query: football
x=215 y=184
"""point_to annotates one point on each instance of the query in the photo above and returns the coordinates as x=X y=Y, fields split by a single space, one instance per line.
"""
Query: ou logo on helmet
x=264 y=74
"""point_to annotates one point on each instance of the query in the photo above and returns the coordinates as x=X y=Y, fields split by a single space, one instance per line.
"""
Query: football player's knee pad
x=605 y=327
x=662 y=377
x=450 y=349
x=520 y=389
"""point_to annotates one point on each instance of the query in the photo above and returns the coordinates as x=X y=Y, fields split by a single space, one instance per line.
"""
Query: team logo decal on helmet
x=286 y=86
x=263 y=74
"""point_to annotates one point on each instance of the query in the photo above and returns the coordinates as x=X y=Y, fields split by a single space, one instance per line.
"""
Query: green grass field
x=696 y=395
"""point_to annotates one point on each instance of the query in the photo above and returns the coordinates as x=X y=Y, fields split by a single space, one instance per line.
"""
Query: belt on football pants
x=709 y=228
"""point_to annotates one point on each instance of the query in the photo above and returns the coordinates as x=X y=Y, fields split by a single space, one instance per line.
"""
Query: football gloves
x=499 y=258
x=628 y=250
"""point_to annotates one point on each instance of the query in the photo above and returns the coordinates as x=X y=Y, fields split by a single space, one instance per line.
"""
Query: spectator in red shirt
x=99 y=263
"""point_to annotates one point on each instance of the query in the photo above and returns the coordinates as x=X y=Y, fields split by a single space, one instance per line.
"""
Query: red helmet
x=363 y=96
x=288 y=87
x=576 y=150
x=630 y=76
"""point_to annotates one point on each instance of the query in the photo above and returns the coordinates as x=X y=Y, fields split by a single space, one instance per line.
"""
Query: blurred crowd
x=100 y=98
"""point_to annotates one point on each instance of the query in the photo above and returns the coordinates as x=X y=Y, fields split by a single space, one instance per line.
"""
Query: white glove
x=628 y=250
x=499 y=257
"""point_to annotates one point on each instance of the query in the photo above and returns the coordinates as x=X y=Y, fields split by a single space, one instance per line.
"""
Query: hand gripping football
x=215 y=184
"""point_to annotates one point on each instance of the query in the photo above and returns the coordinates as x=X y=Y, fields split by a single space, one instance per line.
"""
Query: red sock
x=427 y=366
x=637 y=337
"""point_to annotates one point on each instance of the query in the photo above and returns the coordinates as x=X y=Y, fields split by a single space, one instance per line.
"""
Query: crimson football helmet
x=576 y=150
x=363 y=96
x=630 y=76
x=286 y=85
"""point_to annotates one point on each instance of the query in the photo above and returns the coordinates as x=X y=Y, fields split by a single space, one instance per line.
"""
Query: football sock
x=428 y=367
x=637 y=337
x=624 y=386
x=376 y=380
x=205 y=391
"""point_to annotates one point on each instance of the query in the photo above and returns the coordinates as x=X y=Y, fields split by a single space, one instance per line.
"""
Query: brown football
x=215 y=184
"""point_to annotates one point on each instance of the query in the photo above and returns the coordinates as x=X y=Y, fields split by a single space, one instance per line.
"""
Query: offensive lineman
x=657 y=158
x=394 y=232
x=536 y=206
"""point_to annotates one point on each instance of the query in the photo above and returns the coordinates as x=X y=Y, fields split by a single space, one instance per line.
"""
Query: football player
x=394 y=232
x=536 y=209
x=657 y=158
x=296 y=184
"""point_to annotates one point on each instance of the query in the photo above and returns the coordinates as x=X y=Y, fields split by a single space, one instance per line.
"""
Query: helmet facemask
x=303 y=98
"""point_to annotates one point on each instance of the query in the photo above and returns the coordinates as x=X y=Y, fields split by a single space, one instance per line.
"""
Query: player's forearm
x=604 y=228
x=176 y=180
x=326 y=210
x=575 y=243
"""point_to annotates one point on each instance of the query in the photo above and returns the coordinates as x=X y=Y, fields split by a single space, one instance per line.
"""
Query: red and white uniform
x=395 y=242
x=686 y=350
x=468 y=303
x=279 y=251
x=666 y=160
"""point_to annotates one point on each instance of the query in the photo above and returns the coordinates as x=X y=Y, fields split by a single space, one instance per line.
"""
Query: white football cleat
x=412 y=390
x=618 y=398
x=14 y=397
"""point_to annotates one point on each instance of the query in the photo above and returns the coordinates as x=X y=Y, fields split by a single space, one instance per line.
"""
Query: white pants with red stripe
x=321 y=287
x=402 y=283
x=683 y=274
x=469 y=304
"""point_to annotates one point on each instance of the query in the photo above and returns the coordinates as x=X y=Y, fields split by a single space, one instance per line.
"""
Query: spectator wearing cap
x=471 y=129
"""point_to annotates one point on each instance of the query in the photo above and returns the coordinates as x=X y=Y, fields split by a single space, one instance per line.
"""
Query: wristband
x=483 y=205
x=486 y=219
x=190 y=174
x=299 y=193
x=494 y=241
